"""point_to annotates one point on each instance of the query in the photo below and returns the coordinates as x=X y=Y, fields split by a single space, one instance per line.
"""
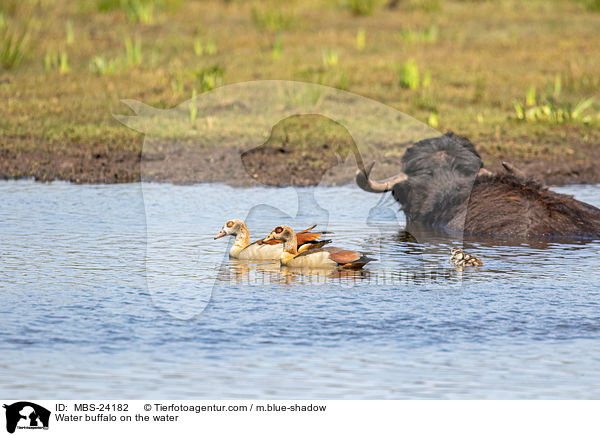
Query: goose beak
x=220 y=235
x=269 y=238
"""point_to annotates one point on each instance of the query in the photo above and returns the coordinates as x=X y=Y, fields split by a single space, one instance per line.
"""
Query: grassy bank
x=520 y=79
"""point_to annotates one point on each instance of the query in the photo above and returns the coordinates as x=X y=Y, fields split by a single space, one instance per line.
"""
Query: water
x=104 y=297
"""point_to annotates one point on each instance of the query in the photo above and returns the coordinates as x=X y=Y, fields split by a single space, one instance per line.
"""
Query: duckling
x=243 y=249
x=462 y=259
x=311 y=257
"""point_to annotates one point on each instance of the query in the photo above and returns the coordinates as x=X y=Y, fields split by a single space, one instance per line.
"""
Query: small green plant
x=198 y=47
x=193 y=108
x=336 y=78
x=209 y=78
x=133 y=51
x=177 y=83
x=530 y=99
x=362 y=7
x=57 y=61
x=341 y=81
x=552 y=111
x=408 y=75
x=50 y=60
x=12 y=45
x=70 y=33
x=270 y=20
x=361 y=37
x=577 y=112
x=63 y=63
x=557 y=86
x=277 y=47
x=103 y=67
x=432 y=119
x=205 y=47
x=426 y=80
x=428 y=35
x=137 y=11
x=330 y=58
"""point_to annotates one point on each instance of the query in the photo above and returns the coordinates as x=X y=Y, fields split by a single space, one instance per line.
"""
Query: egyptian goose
x=462 y=259
x=314 y=257
x=243 y=249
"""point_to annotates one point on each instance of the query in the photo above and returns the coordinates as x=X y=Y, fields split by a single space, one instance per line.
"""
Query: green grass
x=12 y=43
x=427 y=5
x=272 y=19
x=133 y=51
x=408 y=75
x=361 y=39
x=552 y=108
x=63 y=63
x=330 y=58
x=429 y=34
x=472 y=60
x=141 y=11
x=592 y=5
x=557 y=112
x=101 y=66
x=432 y=119
x=205 y=47
x=70 y=33
x=362 y=7
x=57 y=61
x=193 y=108
x=277 y=47
x=209 y=78
x=138 y=11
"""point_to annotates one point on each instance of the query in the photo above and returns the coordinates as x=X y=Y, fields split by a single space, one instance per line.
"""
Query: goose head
x=231 y=228
x=280 y=233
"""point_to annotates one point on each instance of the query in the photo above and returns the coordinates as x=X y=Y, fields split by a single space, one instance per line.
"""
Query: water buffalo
x=443 y=185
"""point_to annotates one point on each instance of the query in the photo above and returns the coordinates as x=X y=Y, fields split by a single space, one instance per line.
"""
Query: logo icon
x=26 y=415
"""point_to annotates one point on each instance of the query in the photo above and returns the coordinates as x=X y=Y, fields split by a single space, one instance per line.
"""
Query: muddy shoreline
x=94 y=165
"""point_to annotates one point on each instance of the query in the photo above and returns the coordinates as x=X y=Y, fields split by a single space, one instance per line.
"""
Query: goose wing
x=313 y=245
x=344 y=258
x=307 y=230
x=306 y=236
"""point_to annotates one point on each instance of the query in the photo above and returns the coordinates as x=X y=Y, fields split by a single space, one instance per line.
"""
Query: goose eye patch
x=278 y=229
x=229 y=223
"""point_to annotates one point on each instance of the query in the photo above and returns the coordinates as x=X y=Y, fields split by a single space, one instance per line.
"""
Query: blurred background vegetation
x=519 y=78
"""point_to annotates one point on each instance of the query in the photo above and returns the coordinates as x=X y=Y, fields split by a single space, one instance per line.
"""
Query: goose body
x=311 y=257
x=255 y=251
x=260 y=250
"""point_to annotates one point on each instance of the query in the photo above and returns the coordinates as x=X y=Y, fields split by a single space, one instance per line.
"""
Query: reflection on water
x=273 y=272
x=260 y=273
x=80 y=318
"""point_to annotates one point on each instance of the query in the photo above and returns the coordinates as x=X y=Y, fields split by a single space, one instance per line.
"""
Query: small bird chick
x=462 y=259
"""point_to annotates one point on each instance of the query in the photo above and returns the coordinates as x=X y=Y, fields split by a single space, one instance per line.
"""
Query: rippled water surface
x=121 y=292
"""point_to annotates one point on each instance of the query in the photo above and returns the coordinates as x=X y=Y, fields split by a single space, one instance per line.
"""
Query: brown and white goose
x=260 y=250
x=314 y=257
